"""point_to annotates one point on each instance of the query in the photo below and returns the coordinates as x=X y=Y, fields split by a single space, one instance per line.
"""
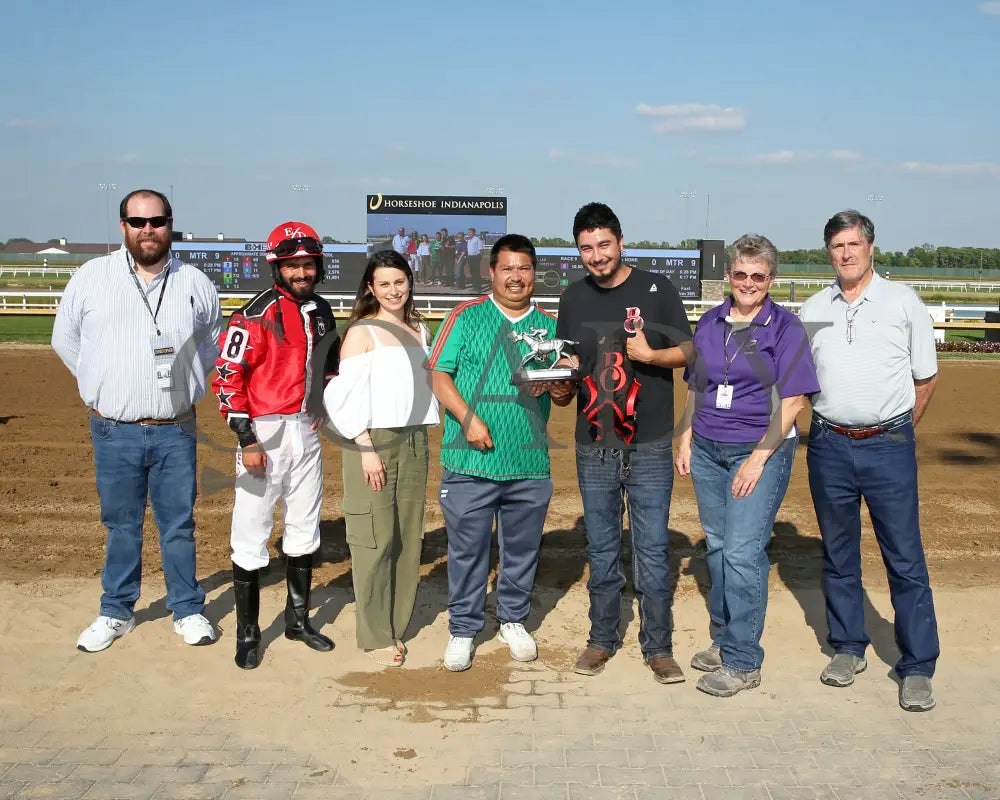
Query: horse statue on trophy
x=541 y=348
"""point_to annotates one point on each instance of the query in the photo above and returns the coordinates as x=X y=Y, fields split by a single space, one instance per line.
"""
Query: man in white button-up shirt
x=139 y=331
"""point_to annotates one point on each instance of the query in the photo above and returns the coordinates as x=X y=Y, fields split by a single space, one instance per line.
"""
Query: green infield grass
x=25 y=328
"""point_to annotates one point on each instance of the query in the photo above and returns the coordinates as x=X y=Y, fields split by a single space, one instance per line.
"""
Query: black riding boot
x=299 y=579
x=246 y=586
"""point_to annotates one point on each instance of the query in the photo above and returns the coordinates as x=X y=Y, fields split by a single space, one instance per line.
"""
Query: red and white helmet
x=294 y=240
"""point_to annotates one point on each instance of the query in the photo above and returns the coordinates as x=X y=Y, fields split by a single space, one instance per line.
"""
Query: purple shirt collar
x=764 y=316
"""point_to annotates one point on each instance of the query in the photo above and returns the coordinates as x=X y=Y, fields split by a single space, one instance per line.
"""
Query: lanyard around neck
x=142 y=292
x=727 y=333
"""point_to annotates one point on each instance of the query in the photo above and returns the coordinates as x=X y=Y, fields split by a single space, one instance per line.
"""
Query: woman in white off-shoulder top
x=381 y=403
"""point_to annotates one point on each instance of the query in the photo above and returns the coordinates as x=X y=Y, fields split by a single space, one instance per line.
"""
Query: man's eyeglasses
x=288 y=247
x=759 y=278
x=140 y=222
x=851 y=330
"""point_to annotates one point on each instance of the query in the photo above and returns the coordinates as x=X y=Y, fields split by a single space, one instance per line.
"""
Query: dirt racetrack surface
x=50 y=519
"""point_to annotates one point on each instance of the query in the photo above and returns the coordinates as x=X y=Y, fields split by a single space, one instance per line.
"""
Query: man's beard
x=300 y=293
x=147 y=257
x=608 y=277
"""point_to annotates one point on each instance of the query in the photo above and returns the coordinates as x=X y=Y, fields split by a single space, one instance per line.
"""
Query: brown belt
x=863 y=431
x=187 y=416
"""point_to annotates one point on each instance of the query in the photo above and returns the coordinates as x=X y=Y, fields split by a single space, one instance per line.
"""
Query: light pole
x=108 y=188
x=300 y=187
x=875 y=199
x=687 y=209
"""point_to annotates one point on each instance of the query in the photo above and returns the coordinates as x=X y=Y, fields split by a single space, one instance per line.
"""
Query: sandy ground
x=47 y=484
x=52 y=546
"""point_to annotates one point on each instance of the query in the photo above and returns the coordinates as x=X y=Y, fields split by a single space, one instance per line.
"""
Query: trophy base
x=526 y=376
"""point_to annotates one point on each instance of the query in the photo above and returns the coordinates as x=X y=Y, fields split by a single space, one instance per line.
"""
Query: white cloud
x=991 y=7
x=785 y=157
x=127 y=158
x=779 y=157
x=400 y=148
x=29 y=124
x=689 y=117
x=974 y=169
x=597 y=160
x=845 y=155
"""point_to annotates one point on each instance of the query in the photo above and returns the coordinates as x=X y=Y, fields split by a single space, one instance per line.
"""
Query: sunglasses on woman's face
x=288 y=247
x=739 y=276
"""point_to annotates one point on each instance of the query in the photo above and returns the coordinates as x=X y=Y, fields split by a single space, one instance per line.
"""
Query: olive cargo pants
x=385 y=532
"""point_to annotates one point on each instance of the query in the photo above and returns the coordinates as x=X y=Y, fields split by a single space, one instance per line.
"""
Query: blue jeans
x=883 y=470
x=470 y=506
x=643 y=478
x=737 y=531
x=131 y=462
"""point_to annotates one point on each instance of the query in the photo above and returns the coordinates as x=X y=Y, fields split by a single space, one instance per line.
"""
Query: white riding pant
x=295 y=474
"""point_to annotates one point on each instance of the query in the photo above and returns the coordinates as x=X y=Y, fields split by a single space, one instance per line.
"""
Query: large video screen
x=446 y=239
x=560 y=266
x=241 y=266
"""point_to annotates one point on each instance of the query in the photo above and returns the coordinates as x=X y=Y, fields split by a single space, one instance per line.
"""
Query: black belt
x=863 y=431
x=186 y=416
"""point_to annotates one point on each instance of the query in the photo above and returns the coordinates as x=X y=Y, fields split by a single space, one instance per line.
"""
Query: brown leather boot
x=666 y=670
x=591 y=661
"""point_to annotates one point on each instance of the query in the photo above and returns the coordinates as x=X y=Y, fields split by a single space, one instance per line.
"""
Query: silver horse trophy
x=540 y=352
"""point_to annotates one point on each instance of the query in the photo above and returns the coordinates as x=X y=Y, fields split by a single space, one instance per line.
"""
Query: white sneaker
x=458 y=653
x=522 y=646
x=102 y=632
x=195 y=629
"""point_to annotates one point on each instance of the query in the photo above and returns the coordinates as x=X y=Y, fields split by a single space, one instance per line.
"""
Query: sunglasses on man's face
x=289 y=247
x=140 y=222
x=759 y=278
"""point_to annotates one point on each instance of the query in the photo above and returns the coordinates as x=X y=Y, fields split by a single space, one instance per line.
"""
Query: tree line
x=925 y=257
x=645 y=244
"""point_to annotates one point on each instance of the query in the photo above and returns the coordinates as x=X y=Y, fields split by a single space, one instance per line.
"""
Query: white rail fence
x=438 y=305
x=43 y=271
x=944 y=285
x=35 y=271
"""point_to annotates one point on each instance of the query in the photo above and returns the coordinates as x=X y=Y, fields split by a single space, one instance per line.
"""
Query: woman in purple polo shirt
x=749 y=382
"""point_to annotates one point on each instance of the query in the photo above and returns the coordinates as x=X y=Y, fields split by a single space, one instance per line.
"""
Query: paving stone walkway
x=143 y=721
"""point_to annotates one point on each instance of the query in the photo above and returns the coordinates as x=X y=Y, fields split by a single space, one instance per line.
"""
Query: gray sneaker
x=726 y=681
x=842 y=669
x=707 y=660
x=916 y=694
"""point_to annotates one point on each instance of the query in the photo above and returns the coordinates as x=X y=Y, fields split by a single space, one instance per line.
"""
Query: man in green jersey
x=494 y=452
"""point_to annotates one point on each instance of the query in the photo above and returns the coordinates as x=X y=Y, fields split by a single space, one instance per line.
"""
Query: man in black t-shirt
x=632 y=331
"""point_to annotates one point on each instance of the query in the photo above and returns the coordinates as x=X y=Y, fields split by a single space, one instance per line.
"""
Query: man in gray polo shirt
x=873 y=344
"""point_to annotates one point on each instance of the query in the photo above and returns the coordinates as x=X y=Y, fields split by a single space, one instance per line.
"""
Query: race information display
x=241 y=266
x=558 y=267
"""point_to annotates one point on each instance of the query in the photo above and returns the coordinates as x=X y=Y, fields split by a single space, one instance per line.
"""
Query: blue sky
x=781 y=113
